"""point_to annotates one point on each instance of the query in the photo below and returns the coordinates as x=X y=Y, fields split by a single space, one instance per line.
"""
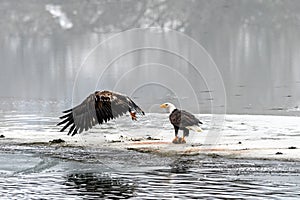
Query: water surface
x=86 y=168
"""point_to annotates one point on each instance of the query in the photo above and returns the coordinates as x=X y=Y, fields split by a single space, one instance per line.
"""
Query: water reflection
x=50 y=74
x=197 y=177
x=100 y=185
x=180 y=166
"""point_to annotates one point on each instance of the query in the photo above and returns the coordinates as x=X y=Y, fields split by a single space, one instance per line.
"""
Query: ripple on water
x=183 y=178
x=56 y=172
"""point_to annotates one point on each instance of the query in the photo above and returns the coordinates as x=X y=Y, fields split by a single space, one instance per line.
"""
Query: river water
x=47 y=173
x=82 y=168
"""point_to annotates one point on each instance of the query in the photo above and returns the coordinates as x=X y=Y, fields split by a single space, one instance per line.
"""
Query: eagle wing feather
x=97 y=108
x=182 y=118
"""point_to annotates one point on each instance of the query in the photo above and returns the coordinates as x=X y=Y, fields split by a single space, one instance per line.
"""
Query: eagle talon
x=181 y=140
x=133 y=116
x=175 y=140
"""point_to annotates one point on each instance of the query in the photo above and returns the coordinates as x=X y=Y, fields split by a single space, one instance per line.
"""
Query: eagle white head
x=170 y=107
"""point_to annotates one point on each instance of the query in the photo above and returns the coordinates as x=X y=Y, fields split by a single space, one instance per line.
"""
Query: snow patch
x=56 y=12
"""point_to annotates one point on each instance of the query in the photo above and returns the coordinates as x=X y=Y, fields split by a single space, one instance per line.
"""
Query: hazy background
x=255 y=44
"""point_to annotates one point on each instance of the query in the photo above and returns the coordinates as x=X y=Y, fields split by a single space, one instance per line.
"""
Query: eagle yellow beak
x=163 y=106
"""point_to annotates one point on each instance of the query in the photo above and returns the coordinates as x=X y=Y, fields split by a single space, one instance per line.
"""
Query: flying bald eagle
x=98 y=108
x=182 y=120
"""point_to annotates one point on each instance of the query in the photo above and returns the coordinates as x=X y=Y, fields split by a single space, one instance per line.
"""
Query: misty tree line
x=47 y=17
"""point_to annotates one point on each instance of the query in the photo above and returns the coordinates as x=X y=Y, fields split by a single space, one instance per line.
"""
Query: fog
x=49 y=52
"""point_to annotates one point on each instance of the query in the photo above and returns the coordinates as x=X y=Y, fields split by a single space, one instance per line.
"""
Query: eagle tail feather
x=195 y=128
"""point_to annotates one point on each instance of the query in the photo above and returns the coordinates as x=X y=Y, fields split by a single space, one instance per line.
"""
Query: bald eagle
x=182 y=120
x=99 y=107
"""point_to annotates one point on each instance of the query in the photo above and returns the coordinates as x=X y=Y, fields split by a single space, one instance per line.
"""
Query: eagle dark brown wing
x=97 y=108
x=182 y=119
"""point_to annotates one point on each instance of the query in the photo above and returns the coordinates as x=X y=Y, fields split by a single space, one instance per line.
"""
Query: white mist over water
x=255 y=45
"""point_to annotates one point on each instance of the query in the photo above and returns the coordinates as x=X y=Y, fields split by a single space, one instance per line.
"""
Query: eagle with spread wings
x=99 y=107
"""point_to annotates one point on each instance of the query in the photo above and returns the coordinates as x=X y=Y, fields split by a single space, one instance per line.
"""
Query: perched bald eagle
x=98 y=108
x=182 y=120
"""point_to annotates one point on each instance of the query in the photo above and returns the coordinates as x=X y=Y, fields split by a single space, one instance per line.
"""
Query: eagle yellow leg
x=133 y=116
x=175 y=140
x=181 y=140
